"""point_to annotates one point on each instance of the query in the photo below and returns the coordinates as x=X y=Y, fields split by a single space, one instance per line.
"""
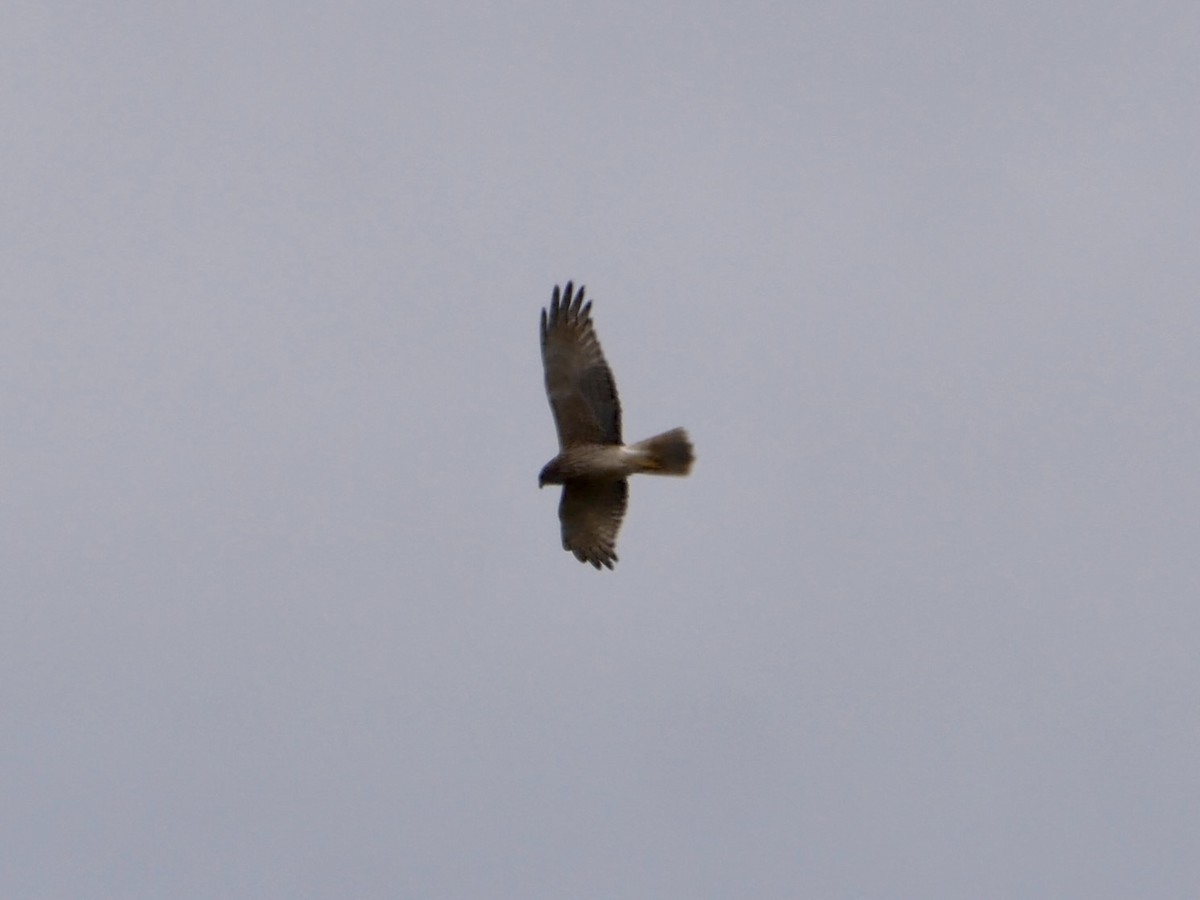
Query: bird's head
x=550 y=474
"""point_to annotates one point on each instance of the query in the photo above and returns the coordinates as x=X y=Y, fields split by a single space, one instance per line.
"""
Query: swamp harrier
x=593 y=465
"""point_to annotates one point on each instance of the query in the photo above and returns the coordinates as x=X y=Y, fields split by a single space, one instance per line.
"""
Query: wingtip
x=597 y=559
x=567 y=302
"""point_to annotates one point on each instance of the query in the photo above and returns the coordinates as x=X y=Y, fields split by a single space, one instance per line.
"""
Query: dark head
x=550 y=474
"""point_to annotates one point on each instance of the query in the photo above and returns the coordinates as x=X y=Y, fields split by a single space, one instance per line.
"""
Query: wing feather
x=591 y=512
x=579 y=383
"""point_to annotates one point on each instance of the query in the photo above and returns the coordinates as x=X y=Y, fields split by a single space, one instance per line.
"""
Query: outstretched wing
x=583 y=395
x=591 y=512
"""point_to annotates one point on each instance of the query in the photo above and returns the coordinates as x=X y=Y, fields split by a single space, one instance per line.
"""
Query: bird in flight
x=593 y=465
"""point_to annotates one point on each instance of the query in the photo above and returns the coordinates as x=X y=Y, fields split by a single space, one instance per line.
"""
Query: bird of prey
x=593 y=465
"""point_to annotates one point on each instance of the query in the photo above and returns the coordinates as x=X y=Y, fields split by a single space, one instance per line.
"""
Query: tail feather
x=669 y=453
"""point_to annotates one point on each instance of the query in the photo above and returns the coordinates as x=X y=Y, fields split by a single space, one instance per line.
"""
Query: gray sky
x=284 y=613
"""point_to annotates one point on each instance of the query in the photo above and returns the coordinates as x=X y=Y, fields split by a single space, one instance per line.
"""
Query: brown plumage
x=593 y=465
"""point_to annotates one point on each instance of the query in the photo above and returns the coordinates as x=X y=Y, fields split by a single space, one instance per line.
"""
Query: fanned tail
x=669 y=453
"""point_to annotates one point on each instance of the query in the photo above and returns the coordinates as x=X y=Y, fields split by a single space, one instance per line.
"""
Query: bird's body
x=652 y=457
x=593 y=463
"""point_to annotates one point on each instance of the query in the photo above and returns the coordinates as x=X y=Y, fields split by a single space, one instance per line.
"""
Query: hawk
x=593 y=465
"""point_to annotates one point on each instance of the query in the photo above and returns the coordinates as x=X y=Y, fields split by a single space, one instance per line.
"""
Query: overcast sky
x=284 y=614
